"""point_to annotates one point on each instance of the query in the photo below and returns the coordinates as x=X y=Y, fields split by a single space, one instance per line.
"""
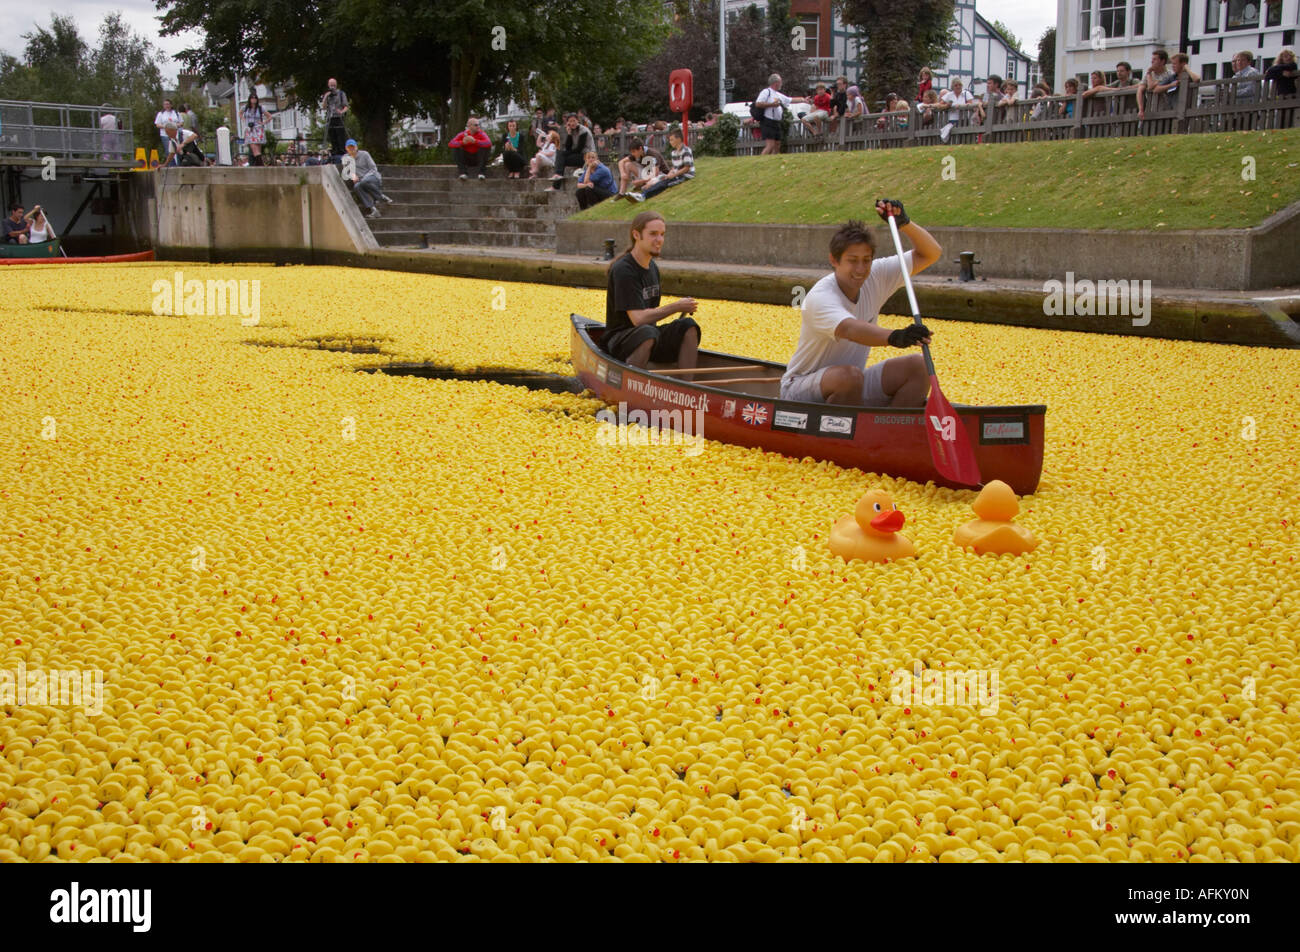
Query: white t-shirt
x=165 y=116
x=771 y=95
x=956 y=99
x=826 y=307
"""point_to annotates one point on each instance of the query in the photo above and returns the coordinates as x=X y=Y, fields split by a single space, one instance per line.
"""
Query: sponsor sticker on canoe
x=755 y=414
x=898 y=419
x=615 y=377
x=601 y=368
x=668 y=395
x=832 y=424
x=790 y=420
x=1004 y=429
x=728 y=409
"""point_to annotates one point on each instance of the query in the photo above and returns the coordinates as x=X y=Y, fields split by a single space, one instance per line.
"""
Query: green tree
x=1047 y=56
x=1007 y=35
x=412 y=57
x=900 y=39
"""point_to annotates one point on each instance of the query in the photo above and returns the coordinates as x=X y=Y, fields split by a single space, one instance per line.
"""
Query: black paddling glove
x=909 y=336
x=899 y=214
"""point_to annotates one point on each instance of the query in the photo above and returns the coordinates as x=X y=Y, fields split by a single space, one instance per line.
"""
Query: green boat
x=41 y=249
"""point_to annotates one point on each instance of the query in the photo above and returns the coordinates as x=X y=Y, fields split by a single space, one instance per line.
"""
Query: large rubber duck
x=993 y=532
x=870 y=532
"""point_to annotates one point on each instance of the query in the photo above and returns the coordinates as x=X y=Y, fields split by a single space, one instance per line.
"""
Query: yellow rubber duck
x=870 y=533
x=993 y=532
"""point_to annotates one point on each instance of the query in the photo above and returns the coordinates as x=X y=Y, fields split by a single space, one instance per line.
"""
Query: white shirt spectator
x=165 y=116
x=964 y=98
x=779 y=99
x=1247 y=92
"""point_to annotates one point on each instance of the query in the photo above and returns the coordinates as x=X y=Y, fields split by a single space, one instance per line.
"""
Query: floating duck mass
x=339 y=616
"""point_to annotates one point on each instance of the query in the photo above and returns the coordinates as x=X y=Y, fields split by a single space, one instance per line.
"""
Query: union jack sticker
x=755 y=414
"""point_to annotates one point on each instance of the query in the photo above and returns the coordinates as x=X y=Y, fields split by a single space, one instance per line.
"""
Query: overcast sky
x=1027 y=19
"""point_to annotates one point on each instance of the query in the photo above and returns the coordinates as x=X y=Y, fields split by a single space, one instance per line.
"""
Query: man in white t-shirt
x=770 y=124
x=840 y=324
x=165 y=115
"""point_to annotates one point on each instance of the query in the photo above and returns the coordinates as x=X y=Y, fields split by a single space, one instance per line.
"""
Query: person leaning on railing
x=1092 y=104
x=1283 y=73
x=1243 y=65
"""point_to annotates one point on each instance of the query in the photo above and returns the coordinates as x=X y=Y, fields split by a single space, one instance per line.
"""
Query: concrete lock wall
x=258 y=214
x=1230 y=259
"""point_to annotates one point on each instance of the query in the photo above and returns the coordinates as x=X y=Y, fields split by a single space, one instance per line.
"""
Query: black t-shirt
x=1284 y=85
x=840 y=101
x=631 y=288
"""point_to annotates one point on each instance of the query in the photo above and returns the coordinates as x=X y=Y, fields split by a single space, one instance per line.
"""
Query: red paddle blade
x=950 y=447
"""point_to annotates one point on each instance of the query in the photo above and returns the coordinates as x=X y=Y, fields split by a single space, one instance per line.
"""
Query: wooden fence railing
x=1223 y=105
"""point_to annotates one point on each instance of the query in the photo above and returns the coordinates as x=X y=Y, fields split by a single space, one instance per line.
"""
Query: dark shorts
x=770 y=128
x=667 y=340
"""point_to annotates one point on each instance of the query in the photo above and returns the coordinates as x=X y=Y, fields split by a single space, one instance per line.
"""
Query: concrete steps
x=432 y=206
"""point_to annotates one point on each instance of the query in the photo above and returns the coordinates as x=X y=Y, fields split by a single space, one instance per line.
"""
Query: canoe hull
x=1008 y=440
x=40 y=249
x=99 y=259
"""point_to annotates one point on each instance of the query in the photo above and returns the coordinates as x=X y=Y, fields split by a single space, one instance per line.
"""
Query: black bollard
x=609 y=249
x=967 y=262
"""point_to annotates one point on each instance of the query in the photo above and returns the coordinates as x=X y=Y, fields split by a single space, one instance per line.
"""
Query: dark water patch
x=507 y=376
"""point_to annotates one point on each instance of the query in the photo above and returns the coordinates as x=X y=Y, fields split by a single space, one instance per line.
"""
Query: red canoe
x=101 y=259
x=740 y=402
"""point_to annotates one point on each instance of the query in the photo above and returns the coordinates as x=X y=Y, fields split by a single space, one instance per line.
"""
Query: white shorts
x=807 y=388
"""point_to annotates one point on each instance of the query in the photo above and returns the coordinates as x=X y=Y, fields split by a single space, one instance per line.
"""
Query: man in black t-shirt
x=632 y=311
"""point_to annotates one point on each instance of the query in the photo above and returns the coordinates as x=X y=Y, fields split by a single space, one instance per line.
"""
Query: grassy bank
x=1189 y=181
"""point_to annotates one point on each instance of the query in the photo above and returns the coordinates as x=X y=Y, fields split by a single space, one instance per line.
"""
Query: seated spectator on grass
x=575 y=144
x=1094 y=105
x=16 y=227
x=512 y=150
x=682 y=171
x=639 y=167
x=925 y=85
x=930 y=107
x=471 y=148
x=543 y=162
x=1243 y=65
x=537 y=127
x=595 y=184
x=366 y=180
x=1283 y=73
x=821 y=111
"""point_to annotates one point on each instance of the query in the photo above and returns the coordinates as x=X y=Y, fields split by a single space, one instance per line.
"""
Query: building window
x=1210 y=71
x=1139 y=17
x=1085 y=20
x=1110 y=17
x=1243 y=14
x=1274 y=8
x=1211 y=16
x=812 y=24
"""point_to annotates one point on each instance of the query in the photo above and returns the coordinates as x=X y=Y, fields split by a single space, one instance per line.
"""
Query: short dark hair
x=1126 y=64
x=635 y=144
x=14 y=206
x=1163 y=54
x=852 y=232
